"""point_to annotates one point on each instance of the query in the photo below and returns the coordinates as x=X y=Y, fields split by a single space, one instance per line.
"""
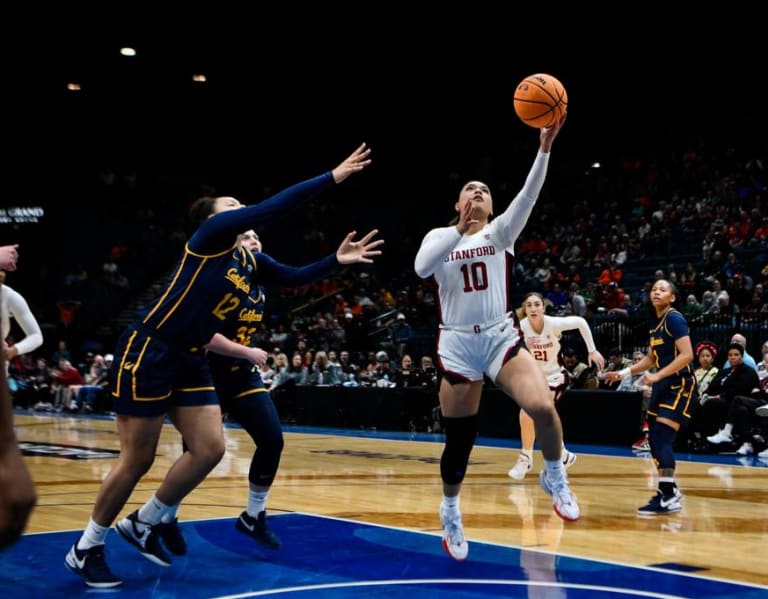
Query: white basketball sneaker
x=521 y=468
x=563 y=501
x=454 y=542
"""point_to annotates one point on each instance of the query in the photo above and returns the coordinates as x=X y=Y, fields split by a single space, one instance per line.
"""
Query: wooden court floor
x=393 y=480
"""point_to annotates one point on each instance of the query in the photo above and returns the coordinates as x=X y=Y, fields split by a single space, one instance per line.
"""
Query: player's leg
x=459 y=404
x=138 y=443
x=519 y=378
x=201 y=429
x=256 y=413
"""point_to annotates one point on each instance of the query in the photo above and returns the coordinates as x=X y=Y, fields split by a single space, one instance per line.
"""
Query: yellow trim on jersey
x=663 y=320
x=191 y=253
x=167 y=289
x=183 y=295
x=172 y=284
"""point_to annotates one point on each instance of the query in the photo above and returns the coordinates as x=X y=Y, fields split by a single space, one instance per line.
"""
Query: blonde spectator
x=295 y=372
x=322 y=373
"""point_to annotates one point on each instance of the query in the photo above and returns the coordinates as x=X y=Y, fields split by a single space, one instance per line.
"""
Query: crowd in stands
x=594 y=246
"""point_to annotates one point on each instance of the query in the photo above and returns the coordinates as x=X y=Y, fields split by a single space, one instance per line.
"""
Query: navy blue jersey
x=243 y=323
x=264 y=271
x=212 y=282
x=671 y=327
x=672 y=397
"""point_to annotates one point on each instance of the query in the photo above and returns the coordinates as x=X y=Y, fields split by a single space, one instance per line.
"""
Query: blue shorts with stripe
x=235 y=380
x=673 y=398
x=150 y=376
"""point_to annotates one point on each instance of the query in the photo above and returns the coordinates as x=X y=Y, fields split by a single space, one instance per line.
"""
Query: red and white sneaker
x=642 y=444
x=563 y=501
x=454 y=542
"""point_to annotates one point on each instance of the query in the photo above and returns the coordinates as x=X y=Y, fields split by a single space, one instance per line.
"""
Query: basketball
x=540 y=100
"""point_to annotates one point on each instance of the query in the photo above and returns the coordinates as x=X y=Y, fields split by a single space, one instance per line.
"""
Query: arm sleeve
x=509 y=224
x=19 y=310
x=434 y=248
x=270 y=271
x=219 y=232
x=568 y=323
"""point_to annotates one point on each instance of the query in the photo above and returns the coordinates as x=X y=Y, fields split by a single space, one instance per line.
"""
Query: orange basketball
x=540 y=100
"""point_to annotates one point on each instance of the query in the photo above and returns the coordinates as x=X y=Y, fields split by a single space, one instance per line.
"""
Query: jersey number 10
x=475 y=276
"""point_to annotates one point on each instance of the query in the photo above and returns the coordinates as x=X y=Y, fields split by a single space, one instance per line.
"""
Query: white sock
x=528 y=453
x=94 y=534
x=171 y=514
x=728 y=428
x=153 y=511
x=257 y=500
x=451 y=503
x=554 y=469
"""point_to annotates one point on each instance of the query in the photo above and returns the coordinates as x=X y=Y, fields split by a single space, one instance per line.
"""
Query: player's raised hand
x=354 y=163
x=350 y=251
x=547 y=134
x=465 y=218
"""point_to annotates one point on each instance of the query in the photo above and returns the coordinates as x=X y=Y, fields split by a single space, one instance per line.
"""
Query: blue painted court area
x=327 y=557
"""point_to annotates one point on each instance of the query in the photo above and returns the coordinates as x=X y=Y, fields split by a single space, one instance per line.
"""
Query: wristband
x=624 y=373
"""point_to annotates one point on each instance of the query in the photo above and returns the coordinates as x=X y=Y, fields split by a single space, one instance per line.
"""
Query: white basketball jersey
x=545 y=346
x=472 y=280
x=471 y=270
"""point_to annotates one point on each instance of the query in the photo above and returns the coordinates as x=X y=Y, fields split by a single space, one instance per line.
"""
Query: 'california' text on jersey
x=207 y=289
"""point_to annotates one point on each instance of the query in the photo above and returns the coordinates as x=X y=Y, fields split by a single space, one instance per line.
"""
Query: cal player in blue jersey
x=160 y=367
x=232 y=354
x=673 y=392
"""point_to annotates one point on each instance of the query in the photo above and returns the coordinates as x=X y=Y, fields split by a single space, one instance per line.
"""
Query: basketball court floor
x=357 y=515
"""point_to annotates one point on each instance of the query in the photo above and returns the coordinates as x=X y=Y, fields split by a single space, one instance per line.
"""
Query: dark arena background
x=660 y=170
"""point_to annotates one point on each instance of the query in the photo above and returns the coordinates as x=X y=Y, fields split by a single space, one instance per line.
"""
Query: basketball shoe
x=642 y=444
x=563 y=500
x=257 y=529
x=569 y=458
x=144 y=537
x=170 y=533
x=521 y=468
x=661 y=504
x=454 y=542
x=91 y=565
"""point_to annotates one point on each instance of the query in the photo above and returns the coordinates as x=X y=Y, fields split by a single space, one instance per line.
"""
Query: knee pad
x=460 y=434
x=662 y=440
